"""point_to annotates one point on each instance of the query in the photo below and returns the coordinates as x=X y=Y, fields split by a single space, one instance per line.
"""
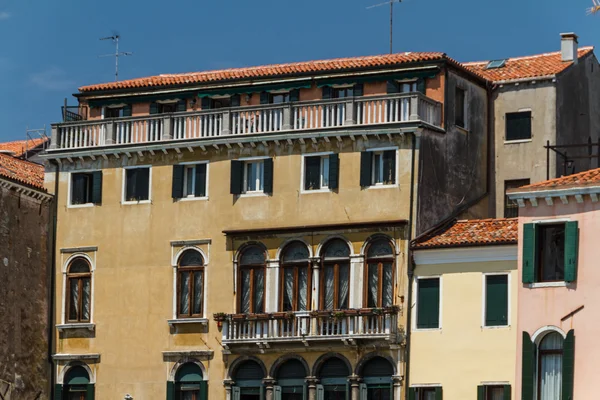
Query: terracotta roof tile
x=525 y=67
x=587 y=178
x=479 y=232
x=18 y=148
x=274 y=70
x=22 y=171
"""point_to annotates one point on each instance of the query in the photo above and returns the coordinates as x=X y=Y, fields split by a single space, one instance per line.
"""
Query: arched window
x=377 y=375
x=291 y=380
x=251 y=280
x=190 y=285
x=248 y=378
x=333 y=376
x=79 y=291
x=76 y=385
x=335 y=275
x=379 y=274
x=189 y=383
x=550 y=360
x=295 y=277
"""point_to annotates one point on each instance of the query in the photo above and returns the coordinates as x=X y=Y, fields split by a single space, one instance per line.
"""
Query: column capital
x=312 y=381
x=269 y=382
x=354 y=380
x=228 y=383
x=397 y=380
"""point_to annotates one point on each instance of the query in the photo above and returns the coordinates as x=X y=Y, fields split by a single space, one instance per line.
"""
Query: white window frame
x=186 y=165
x=92 y=262
x=483 y=299
x=124 y=185
x=205 y=256
x=322 y=189
x=426 y=386
x=537 y=338
x=416 y=297
x=382 y=185
x=551 y=221
x=518 y=140
x=244 y=177
x=70 y=186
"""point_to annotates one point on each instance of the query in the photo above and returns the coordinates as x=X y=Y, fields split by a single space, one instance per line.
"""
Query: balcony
x=260 y=120
x=305 y=328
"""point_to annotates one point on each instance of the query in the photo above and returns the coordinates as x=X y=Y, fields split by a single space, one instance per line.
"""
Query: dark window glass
x=340 y=93
x=166 y=108
x=426 y=394
x=137 y=184
x=551 y=253
x=316 y=172
x=459 y=108
x=81 y=188
x=190 y=277
x=494 y=393
x=511 y=208
x=384 y=167
x=79 y=291
x=110 y=112
x=518 y=125
x=252 y=280
x=277 y=98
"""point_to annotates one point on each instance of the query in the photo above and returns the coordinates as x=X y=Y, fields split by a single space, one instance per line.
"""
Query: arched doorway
x=291 y=384
x=248 y=378
x=190 y=383
x=377 y=376
x=333 y=376
x=76 y=385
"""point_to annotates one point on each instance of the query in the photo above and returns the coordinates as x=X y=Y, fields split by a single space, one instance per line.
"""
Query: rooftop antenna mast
x=117 y=54
x=391 y=3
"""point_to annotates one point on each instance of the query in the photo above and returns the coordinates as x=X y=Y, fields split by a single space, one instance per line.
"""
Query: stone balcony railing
x=347 y=326
x=264 y=119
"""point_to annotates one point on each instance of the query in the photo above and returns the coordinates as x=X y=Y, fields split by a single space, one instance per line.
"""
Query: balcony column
x=269 y=383
x=54 y=138
x=397 y=384
x=312 y=382
x=287 y=118
x=354 y=387
x=167 y=133
x=316 y=266
x=414 y=108
x=350 y=113
x=272 y=286
x=110 y=133
x=226 y=123
x=356 y=280
x=228 y=383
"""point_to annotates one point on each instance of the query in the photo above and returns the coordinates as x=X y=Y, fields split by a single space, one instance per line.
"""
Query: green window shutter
x=170 y=390
x=428 y=303
x=527 y=368
x=235 y=100
x=237 y=177
x=203 y=390
x=320 y=392
x=295 y=95
x=359 y=90
x=181 y=106
x=153 y=108
x=235 y=393
x=496 y=300
x=348 y=391
x=366 y=163
x=127 y=110
x=421 y=86
x=264 y=98
x=412 y=394
x=568 y=366
x=392 y=87
x=312 y=172
x=571 y=250
x=276 y=392
x=58 y=392
x=177 y=185
x=362 y=390
x=143 y=183
x=90 y=391
x=327 y=92
x=529 y=250
x=507 y=392
x=205 y=103
x=389 y=166
x=438 y=393
x=268 y=175
x=334 y=170
x=97 y=187
x=481 y=392
x=518 y=125
x=200 y=188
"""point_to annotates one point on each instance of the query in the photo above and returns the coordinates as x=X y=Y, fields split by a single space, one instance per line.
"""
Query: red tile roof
x=582 y=179
x=18 y=148
x=478 y=232
x=535 y=66
x=275 y=70
x=22 y=171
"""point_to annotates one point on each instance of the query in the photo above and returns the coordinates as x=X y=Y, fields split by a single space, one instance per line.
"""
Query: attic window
x=496 y=64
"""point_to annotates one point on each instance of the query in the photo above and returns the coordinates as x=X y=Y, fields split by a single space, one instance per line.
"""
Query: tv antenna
x=117 y=54
x=391 y=3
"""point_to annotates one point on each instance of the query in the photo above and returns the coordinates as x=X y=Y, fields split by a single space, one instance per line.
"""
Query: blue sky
x=50 y=47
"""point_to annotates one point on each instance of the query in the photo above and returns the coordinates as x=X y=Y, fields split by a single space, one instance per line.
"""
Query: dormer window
x=496 y=64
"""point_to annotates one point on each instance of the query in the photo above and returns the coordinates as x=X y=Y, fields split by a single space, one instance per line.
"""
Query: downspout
x=51 y=303
x=410 y=269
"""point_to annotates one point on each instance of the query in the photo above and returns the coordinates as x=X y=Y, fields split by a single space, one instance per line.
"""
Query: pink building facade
x=559 y=290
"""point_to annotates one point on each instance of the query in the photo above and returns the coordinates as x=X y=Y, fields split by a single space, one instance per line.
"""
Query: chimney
x=568 y=47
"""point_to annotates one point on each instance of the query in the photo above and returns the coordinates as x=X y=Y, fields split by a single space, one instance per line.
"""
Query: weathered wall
x=24 y=282
x=454 y=164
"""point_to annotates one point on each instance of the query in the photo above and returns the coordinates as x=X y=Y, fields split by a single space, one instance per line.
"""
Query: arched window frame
x=85 y=391
x=295 y=265
x=379 y=260
x=253 y=268
x=78 y=278
x=336 y=263
x=192 y=270
x=537 y=338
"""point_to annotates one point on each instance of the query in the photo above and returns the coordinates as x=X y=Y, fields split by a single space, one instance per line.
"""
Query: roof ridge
x=529 y=57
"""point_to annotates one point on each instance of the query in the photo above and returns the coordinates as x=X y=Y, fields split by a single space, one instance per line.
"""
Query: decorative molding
x=563 y=194
x=549 y=201
x=196 y=242
x=76 y=357
x=37 y=194
x=533 y=202
x=64 y=327
x=70 y=250
x=466 y=254
x=184 y=321
x=201 y=355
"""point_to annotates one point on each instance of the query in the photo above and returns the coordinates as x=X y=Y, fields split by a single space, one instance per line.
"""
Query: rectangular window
x=496 y=300
x=511 y=207
x=137 y=184
x=189 y=181
x=428 y=303
x=342 y=93
x=460 y=108
x=493 y=392
x=316 y=172
x=278 y=98
x=425 y=393
x=518 y=125
x=384 y=168
x=551 y=251
x=253 y=176
x=86 y=188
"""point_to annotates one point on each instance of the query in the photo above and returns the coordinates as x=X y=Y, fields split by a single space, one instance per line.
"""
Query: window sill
x=496 y=327
x=173 y=322
x=547 y=285
x=204 y=198
x=86 y=205
x=395 y=185
x=133 y=203
x=253 y=194
x=462 y=129
x=327 y=190
x=64 y=327
x=426 y=329
x=518 y=141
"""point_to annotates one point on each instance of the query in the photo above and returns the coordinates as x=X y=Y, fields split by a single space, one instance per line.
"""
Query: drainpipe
x=51 y=302
x=410 y=269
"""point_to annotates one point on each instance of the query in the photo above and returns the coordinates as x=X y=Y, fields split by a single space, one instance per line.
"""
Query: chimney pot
x=568 y=47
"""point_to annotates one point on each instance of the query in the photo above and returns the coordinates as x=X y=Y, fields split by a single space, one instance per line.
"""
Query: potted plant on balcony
x=238 y=317
x=289 y=315
x=339 y=315
x=377 y=311
x=351 y=311
x=219 y=318
x=393 y=309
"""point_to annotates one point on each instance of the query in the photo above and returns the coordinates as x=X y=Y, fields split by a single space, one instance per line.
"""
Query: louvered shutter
x=571 y=250
x=90 y=393
x=268 y=175
x=200 y=189
x=412 y=394
x=177 y=184
x=392 y=87
x=428 y=303
x=496 y=300
x=568 y=366
x=276 y=392
x=58 y=392
x=529 y=250
x=421 y=86
x=295 y=95
x=235 y=393
x=527 y=367
x=366 y=163
x=438 y=393
x=97 y=187
x=481 y=392
x=518 y=125
x=362 y=388
x=334 y=170
x=507 y=392
x=235 y=100
x=320 y=392
x=205 y=103
x=359 y=90
x=203 y=390
x=264 y=97
x=127 y=111
x=153 y=108
x=326 y=92
x=237 y=177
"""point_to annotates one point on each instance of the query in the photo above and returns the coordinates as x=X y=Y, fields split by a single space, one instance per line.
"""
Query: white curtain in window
x=198 y=291
x=184 y=293
x=245 y=291
x=344 y=286
x=85 y=300
x=259 y=290
x=329 y=288
x=74 y=305
x=302 y=288
x=373 y=285
x=551 y=376
x=388 y=285
x=288 y=289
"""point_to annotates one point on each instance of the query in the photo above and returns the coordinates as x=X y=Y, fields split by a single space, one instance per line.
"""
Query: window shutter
x=320 y=392
x=412 y=394
x=571 y=250
x=392 y=87
x=366 y=163
x=438 y=393
x=327 y=92
x=496 y=300
x=568 y=366
x=268 y=175
x=264 y=97
x=359 y=90
x=235 y=100
x=305 y=391
x=235 y=393
x=89 y=391
x=205 y=103
x=153 y=108
x=529 y=250
x=177 y=185
x=127 y=110
x=527 y=368
x=203 y=390
x=276 y=392
x=334 y=170
x=58 y=391
x=481 y=392
x=295 y=95
x=389 y=166
x=181 y=106
x=518 y=125
x=143 y=184
x=428 y=303
x=421 y=86
x=97 y=187
x=507 y=392
x=363 y=391
x=200 y=189
x=237 y=177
